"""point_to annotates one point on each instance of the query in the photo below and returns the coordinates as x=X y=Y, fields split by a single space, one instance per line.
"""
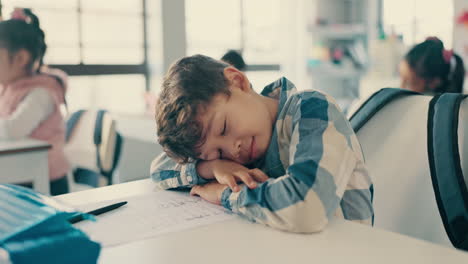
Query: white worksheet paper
x=150 y=215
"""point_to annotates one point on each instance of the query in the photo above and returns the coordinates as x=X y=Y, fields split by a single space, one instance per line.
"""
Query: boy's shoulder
x=309 y=93
x=283 y=89
x=310 y=98
x=307 y=104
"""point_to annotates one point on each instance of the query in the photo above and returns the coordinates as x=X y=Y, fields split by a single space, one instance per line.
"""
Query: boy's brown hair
x=187 y=89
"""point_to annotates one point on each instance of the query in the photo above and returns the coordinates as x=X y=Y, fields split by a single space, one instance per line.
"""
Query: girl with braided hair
x=30 y=99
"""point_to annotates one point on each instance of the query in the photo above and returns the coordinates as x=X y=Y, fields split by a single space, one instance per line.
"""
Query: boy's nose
x=237 y=148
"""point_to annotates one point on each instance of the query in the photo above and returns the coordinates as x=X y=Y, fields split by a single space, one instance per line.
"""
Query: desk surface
x=238 y=241
x=23 y=145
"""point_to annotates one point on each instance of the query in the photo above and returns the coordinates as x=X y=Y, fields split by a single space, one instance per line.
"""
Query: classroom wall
x=460 y=32
x=139 y=149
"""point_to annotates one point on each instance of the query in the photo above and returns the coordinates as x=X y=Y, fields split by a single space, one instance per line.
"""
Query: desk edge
x=25 y=149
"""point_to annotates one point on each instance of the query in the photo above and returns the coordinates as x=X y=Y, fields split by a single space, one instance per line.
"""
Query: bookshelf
x=336 y=50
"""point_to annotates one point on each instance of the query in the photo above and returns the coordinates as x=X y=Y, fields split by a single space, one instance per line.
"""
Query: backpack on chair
x=93 y=146
x=411 y=145
x=445 y=131
x=392 y=129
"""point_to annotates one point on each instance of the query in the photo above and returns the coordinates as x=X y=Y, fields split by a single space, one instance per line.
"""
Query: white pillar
x=173 y=31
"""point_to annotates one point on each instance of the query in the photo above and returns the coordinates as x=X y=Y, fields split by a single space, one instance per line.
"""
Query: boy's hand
x=229 y=173
x=211 y=192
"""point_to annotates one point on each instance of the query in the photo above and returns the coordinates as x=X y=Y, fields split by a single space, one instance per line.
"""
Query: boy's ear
x=236 y=78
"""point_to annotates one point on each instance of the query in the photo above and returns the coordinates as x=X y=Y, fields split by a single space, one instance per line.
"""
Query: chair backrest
x=446 y=130
x=93 y=142
x=394 y=143
x=370 y=106
x=463 y=138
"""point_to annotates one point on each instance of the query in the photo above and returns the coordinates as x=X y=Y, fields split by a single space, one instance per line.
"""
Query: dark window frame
x=83 y=69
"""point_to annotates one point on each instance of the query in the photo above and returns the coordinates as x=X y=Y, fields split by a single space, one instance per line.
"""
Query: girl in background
x=429 y=68
x=30 y=100
x=235 y=59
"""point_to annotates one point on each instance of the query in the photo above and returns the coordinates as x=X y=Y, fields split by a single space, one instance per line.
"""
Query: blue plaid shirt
x=314 y=162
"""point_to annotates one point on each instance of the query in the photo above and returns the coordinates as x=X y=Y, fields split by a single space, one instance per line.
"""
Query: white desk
x=25 y=160
x=239 y=241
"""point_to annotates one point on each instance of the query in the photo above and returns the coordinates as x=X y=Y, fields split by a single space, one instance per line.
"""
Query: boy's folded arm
x=168 y=174
x=285 y=203
x=321 y=164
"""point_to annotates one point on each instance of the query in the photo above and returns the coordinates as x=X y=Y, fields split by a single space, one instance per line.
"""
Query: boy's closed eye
x=224 y=128
x=223 y=132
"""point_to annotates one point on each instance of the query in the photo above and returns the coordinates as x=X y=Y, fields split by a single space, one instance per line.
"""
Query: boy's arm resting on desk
x=324 y=157
x=168 y=174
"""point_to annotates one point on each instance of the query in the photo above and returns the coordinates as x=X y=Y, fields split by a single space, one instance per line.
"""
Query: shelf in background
x=339 y=31
x=329 y=70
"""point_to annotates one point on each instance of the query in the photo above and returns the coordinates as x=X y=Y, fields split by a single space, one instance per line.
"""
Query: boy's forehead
x=207 y=116
x=206 y=113
x=205 y=120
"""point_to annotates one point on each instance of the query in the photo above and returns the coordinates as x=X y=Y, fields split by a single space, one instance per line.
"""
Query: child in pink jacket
x=30 y=100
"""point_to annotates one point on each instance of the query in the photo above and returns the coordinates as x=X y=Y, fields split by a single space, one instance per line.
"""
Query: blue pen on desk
x=78 y=218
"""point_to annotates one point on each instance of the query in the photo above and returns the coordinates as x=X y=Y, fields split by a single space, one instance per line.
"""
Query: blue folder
x=34 y=229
